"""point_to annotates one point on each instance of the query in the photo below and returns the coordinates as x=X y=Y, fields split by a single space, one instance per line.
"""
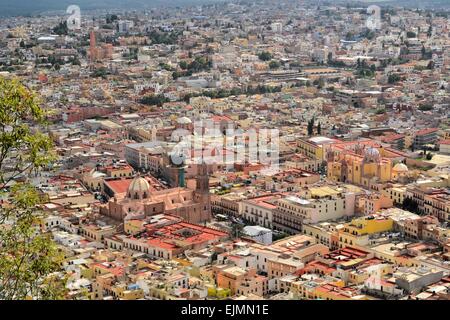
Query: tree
x=423 y=51
x=183 y=65
x=200 y=64
x=319 y=128
x=411 y=34
x=274 y=64
x=425 y=107
x=410 y=204
x=320 y=83
x=29 y=259
x=349 y=36
x=311 y=127
x=100 y=72
x=61 y=28
x=158 y=37
x=30 y=149
x=166 y=66
x=111 y=18
x=236 y=230
x=265 y=56
x=330 y=57
x=76 y=62
x=393 y=78
x=153 y=100
x=370 y=35
x=430 y=31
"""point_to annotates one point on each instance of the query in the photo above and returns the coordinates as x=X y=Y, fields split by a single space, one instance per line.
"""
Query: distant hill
x=31 y=7
x=436 y=4
x=424 y=4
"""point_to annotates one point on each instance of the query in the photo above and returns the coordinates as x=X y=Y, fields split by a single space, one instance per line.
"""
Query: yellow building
x=375 y=202
x=124 y=292
x=446 y=134
x=409 y=140
x=97 y=233
x=306 y=289
x=133 y=226
x=93 y=179
x=219 y=293
x=360 y=275
x=362 y=166
x=324 y=232
x=119 y=171
x=358 y=230
x=314 y=147
x=241 y=42
x=396 y=193
x=332 y=292
x=394 y=253
x=369 y=225
x=86 y=272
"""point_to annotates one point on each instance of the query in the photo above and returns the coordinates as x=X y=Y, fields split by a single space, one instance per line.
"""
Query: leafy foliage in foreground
x=29 y=259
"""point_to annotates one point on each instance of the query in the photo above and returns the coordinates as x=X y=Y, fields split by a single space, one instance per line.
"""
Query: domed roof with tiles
x=400 y=167
x=372 y=154
x=140 y=187
x=184 y=120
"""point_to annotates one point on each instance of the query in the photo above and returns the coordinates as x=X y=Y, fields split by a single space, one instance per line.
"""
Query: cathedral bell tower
x=202 y=195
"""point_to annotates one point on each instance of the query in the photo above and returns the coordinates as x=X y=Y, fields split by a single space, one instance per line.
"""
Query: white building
x=277 y=27
x=259 y=234
x=125 y=26
x=444 y=146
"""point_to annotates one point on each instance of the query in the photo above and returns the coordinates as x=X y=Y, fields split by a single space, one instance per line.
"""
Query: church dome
x=139 y=188
x=184 y=120
x=400 y=167
x=96 y=174
x=372 y=154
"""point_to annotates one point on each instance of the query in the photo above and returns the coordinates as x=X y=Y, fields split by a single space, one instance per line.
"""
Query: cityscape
x=225 y=150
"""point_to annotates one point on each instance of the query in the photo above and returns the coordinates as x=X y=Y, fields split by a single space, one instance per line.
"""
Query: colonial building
x=139 y=201
x=362 y=165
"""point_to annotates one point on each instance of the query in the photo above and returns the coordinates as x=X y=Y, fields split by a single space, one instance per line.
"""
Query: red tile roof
x=426 y=131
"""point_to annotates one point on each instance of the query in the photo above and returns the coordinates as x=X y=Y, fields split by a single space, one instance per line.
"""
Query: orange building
x=140 y=201
x=99 y=53
x=241 y=281
x=166 y=236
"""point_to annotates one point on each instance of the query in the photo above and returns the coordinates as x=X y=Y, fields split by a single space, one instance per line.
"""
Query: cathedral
x=362 y=165
x=194 y=206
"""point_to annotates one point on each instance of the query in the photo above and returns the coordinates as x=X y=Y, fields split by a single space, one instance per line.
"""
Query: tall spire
x=93 y=47
x=202 y=180
x=202 y=194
